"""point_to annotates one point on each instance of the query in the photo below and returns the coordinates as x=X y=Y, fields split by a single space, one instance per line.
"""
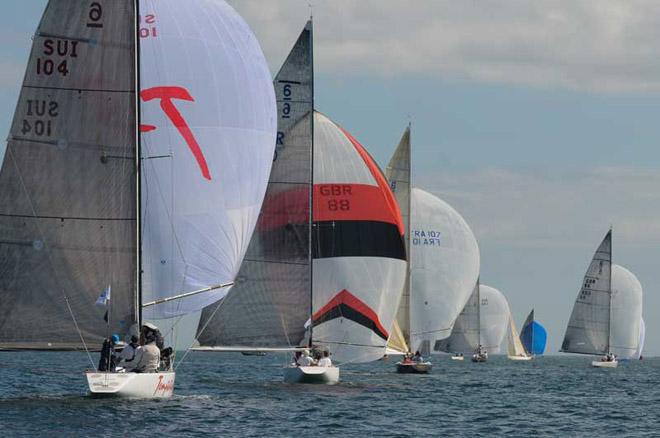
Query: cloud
x=586 y=45
x=537 y=209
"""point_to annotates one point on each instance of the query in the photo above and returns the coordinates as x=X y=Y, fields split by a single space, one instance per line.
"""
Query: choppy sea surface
x=44 y=394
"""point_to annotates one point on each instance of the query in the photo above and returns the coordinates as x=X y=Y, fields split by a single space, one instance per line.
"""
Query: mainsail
x=626 y=312
x=208 y=139
x=466 y=334
x=515 y=347
x=533 y=336
x=271 y=300
x=444 y=266
x=398 y=174
x=642 y=338
x=588 y=330
x=68 y=181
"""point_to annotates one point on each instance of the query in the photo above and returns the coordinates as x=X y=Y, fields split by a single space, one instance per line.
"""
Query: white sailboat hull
x=520 y=358
x=604 y=364
x=312 y=374
x=132 y=385
x=457 y=358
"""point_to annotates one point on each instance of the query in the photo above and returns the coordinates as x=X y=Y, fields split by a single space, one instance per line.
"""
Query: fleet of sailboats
x=219 y=192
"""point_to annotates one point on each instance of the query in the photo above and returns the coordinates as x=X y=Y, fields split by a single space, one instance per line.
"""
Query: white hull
x=134 y=385
x=457 y=358
x=520 y=358
x=313 y=374
x=603 y=364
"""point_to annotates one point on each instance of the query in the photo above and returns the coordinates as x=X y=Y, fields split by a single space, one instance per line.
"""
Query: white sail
x=626 y=312
x=588 y=329
x=208 y=138
x=398 y=174
x=642 y=338
x=358 y=254
x=494 y=318
x=515 y=347
x=444 y=261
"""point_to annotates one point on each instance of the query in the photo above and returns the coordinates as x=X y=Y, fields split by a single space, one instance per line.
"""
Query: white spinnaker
x=626 y=312
x=642 y=338
x=444 y=259
x=208 y=138
x=494 y=318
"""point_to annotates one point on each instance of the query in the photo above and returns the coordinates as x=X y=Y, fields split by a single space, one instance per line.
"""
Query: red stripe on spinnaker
x=350 y=300
x=351 y=202
x=392 y=205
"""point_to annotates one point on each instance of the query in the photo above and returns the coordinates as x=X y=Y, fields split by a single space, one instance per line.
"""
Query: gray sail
x=398 y=176
x=465 y=336
x=588 y=330
x=67 y=183
x=271 y=301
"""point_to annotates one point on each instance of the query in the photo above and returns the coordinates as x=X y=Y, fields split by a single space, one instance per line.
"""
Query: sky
x=536 y=120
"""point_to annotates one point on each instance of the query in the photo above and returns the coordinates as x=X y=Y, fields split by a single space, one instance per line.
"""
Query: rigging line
x=50 y=259
x=199 y=333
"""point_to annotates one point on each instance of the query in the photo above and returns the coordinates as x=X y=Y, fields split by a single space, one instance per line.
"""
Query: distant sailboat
x=533 y=336
x=443 y=263
x=481 y=326
x=607 y=311
x=326 y=264
x=642 y=339
x=515 y=349
x=158 y=215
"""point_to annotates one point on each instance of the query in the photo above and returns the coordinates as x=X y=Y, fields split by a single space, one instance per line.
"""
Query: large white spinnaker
x=444 y=267
x=494 y=318
x=626 y=312
x=208 y=137
x=359 y=261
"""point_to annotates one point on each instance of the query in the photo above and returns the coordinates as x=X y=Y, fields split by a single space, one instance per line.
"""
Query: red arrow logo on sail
x=166 y=94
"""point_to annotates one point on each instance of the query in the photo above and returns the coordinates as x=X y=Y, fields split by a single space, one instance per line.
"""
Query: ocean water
x=44 y=394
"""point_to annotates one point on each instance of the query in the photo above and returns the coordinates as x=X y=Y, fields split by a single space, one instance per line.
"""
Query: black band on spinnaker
x=357 y=239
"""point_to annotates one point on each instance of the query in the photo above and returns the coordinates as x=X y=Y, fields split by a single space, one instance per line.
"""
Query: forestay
x=626 y=312
x=444 y=264
x=588 y=329
x=67 y=184
x=398 y=174
x=271 y=300
x=208 y=137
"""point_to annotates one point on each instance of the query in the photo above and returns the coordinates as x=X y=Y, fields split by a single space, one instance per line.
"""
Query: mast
x=311 y=189
x=609 y=319
x=407 y=242
x=478 y=314
x=138 y=167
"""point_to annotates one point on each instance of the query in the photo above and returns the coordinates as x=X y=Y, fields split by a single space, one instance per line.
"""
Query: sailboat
x=642 y=338
x=515 y=349
x=533 y=336
x=326 y=264
x=607 y=311
x=149 y=196
x=480 y=327
x=443 y=264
